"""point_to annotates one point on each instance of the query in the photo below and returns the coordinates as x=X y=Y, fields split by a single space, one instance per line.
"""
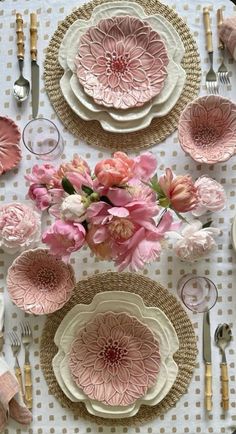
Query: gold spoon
x=21 y=86
x=223 y=336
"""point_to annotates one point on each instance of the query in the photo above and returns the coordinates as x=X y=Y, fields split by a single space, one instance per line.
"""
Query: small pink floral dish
x=115 y=359
x=10 y=151
x=207 y=129
x=39 y=283
x=121 y=62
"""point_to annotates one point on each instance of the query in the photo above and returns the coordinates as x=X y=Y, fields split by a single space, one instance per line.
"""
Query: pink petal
x=119 y=212
x=89 y=360
x=109 y=44
x=99 y=364
x=123 y=374
x=99 y=392
x=113 y=80
x=118 y=385
x=96 y=49
x=96 y=34
x=96 y=377
x=87 y=61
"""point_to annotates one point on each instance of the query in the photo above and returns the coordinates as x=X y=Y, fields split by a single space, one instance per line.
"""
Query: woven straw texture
x=91 y=131
x=153 y=294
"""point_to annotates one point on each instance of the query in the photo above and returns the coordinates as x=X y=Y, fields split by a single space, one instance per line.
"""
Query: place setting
x=117 y=261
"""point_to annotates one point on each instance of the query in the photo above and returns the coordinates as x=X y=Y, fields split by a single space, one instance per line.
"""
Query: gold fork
x=15 y=346
x=211 y=77
x=26 y=337
x=223 y=72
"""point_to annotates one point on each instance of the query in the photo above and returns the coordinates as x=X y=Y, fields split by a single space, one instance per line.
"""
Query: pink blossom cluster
x=117 y=210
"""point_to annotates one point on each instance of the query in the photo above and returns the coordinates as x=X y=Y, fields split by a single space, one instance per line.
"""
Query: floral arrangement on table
x=124 y=211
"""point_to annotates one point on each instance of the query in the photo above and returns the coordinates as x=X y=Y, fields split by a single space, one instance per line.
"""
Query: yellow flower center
x=121 y=228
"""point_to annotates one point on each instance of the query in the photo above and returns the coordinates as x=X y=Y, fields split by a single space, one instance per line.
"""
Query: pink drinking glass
x=198 y=293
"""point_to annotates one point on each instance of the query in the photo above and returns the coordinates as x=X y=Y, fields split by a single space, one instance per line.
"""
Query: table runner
x=188 y=416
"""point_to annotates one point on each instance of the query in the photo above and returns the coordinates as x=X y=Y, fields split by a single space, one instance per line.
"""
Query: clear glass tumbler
x=198 y=293
x=42 y=138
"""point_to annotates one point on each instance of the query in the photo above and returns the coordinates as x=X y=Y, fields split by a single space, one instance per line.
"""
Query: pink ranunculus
x=64 y=238
x=211 y=196
x=115 y=171
x=41 y=174
x=20 y=227
x=145 y=166
x=180 y=192
x=194 y=242
x=40 y=195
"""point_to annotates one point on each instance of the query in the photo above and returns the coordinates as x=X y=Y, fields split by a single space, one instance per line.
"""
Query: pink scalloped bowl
x=39 y=283
x=115 y=359
x=10 y=151
x=207 y=129
x=121 y=62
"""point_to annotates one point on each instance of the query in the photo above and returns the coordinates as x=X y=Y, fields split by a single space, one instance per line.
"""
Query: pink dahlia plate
x=121 y=62
x=40 y=283
x=207 y=129
x=10 y=151
x=115 y=359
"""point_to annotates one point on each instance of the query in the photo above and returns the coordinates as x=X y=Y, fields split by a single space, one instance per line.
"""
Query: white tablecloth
x=188 y=416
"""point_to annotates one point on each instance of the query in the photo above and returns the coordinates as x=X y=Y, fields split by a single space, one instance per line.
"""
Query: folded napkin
x=11 y=401
x=228 y=35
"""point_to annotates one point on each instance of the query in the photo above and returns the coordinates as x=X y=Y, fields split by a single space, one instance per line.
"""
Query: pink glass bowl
x=121 y=62
x=40 y=283
x=115 y=359
x=207 y=129
x=10 y=151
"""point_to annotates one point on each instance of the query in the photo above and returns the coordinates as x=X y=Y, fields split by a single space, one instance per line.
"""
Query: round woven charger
x=153 y=294
x=91 y=131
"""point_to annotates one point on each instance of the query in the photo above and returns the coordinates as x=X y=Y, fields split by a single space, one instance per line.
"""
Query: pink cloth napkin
x=228 y=35
x=11 y=401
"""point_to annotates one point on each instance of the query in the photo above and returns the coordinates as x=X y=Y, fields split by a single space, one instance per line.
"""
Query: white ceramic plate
x=85 y=106
x=156 y=320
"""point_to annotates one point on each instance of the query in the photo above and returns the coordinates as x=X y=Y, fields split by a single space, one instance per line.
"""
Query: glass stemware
x=198 y=293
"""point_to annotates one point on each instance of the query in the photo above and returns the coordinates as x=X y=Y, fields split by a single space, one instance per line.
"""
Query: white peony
x=73 y=208
x=211 y=196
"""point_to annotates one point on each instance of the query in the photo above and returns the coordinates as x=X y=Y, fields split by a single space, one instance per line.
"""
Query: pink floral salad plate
x=10 y=151
x=121 y=62
x=122 y=303
x=39 y=283
x=207 y=129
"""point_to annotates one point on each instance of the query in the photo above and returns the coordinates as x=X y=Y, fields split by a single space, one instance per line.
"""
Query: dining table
x=188 y=415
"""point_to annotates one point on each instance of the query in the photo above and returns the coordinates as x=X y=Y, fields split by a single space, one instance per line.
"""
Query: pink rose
x=40 y=195
x=211 y=196
x=41 y=174
x=63 y=238
x=20 y=227
x=180 y=192
x=145 y=166
x=115 y=171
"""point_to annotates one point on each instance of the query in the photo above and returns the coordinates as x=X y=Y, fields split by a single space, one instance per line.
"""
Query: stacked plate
x=122 y=67
x=115 y=355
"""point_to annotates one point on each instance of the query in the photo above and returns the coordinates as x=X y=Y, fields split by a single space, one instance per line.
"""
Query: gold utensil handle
x=18 y=375
x=33 y=36
x=20 y=36
x=208 y=387
x=219 y=24
x=28 y=387
x=208 y=32
x=224 y=386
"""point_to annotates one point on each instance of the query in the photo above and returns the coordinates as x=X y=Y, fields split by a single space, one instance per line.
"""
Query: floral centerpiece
x=123 y=211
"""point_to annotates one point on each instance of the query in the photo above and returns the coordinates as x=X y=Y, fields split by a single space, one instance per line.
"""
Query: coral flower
x=180 y=192
x=115 y=171
x=77 y=165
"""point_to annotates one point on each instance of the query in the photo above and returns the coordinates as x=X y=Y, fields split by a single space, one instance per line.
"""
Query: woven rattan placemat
x=153 y=294
x=91 y=131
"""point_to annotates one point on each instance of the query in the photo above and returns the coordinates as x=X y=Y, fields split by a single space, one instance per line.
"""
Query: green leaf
x=67 y=186
x=207 y=224
x=87 y=190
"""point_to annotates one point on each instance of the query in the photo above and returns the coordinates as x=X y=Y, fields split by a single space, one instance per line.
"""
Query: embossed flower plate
x=115 y=120
x=10 y=151
x=207 y=129
x=121 y=62
x=114 y=359
x=39 y=283
x=132 y=304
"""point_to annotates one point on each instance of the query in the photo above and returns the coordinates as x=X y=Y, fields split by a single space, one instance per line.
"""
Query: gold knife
x=34 y=65
x=207 y=360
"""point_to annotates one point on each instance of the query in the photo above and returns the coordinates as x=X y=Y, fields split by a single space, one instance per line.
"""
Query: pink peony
x=145 y=166
x=211 y=196
x=40 y=195
x=63 y=238
x=77 y=165
x=20 y=227
x=42 y=174
x=194 y=243
x=115 y=171
x=180 y=192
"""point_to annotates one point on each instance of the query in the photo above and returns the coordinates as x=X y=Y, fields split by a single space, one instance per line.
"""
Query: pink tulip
x=63 y=238
x=180 y=192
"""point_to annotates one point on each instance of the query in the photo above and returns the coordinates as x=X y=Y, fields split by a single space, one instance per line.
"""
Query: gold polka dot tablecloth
x=188 y=416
